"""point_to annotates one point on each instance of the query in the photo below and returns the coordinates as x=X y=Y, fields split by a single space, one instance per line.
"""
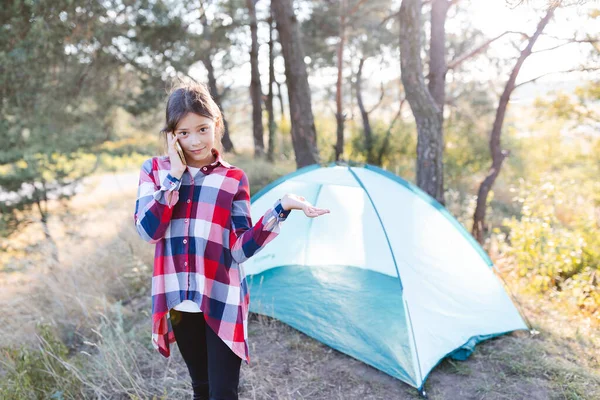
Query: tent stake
x=423 y=393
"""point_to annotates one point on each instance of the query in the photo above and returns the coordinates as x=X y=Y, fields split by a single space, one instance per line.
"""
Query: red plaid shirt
x=203 y=232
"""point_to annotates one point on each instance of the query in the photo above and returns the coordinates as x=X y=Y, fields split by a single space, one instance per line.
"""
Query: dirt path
x=287 y=364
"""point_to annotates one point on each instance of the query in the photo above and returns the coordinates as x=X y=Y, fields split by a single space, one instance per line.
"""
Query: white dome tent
x=388 y=277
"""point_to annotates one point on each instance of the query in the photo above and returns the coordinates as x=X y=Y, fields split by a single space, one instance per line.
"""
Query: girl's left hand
x=294 y=202
x=312 y=211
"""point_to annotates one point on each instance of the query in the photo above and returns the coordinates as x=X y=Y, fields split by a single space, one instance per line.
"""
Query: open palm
x=294 y=201
x=312 y=211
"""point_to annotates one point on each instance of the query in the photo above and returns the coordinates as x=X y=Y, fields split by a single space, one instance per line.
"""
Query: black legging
x=213 y=367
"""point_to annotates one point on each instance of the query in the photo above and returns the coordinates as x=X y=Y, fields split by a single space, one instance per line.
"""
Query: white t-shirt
x=189 y=305
x=193 y=170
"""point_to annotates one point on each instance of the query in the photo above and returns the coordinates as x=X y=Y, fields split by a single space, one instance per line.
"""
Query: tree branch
x=144 y=69
x=591 y=41
x=551 y=48
x=225 y=91
x=379 y=101
x=386 y=19
x=586 y=69
x=388 y=133
x=573 y=39
x=356 y=8
x=459 y=60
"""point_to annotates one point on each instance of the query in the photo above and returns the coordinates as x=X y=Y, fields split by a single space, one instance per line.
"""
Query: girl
x=198 y=215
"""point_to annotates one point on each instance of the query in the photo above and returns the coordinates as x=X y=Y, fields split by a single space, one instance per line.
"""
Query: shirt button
x=188 y=200
x=185 y=264
x=281 y=215
x=184 y=241
x=204 y=168
x=186 y=221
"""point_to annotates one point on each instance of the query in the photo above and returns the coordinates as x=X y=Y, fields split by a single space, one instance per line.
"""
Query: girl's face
x=196 y=135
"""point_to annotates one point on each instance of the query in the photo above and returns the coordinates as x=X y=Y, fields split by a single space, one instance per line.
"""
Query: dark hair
x=192 y=97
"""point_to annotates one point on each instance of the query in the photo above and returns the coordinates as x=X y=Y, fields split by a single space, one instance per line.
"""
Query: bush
x=41 y=373
x=393 y=149
x=555 y=244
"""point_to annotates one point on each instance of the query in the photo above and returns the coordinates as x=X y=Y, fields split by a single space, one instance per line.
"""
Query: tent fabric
x=389 y=277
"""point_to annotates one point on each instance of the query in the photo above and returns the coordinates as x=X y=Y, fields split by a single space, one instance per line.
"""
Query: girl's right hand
x=177 y=167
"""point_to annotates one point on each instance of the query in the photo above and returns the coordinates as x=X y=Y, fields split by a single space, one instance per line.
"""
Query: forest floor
x=97 y=297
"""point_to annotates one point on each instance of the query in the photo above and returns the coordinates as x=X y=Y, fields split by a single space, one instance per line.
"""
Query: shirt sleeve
x=246 y=239
x=154 y=204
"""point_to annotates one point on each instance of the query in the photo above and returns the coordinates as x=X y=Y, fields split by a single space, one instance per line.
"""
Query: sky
x=492 y=17
x=496 y=16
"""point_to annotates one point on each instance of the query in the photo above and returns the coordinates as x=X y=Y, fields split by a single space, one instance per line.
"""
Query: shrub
x=38 y=373
x=555 y=244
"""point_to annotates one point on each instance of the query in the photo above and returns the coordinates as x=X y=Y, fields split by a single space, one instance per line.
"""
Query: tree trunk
x=364 y=114
x=280 y=98
x=339 y=117
x=304 y=136
x=428 y=116
x=498 y=155
x=212 y=80
x=437 y=52
x=47 y=235
x=255 y=87
x=214 y=91
x=384 y=147
x=269 y=102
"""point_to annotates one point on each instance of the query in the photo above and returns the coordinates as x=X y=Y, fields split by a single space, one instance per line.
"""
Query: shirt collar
x=219 y=160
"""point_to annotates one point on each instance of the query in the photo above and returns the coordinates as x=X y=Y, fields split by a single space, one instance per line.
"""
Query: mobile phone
x=179 y=150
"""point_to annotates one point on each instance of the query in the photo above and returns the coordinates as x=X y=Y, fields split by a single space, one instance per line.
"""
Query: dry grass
x=97 y=302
